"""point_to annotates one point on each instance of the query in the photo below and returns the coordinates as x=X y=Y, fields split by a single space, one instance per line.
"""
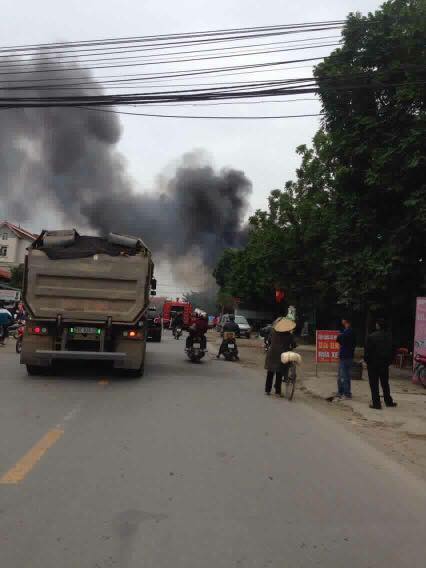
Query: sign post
x=327 y=348
x=419 y=335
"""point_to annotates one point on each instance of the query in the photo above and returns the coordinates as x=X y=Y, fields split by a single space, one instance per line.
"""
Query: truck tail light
x=133 y=334
x=38 y=330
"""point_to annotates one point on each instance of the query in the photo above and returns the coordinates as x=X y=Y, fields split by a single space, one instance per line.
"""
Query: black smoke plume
x=66 y=159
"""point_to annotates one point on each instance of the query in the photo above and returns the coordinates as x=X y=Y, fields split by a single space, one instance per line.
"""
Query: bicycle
x=290 y=381
x=292 y=360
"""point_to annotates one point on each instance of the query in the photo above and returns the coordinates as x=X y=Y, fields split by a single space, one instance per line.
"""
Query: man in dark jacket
x=378 y=355
x=347 y=342
x=229 y=327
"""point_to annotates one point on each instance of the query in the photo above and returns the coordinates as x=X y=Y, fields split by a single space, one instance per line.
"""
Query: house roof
x=5 y=273
x=19 y=231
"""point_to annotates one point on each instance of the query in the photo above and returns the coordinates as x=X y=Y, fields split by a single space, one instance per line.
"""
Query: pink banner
x=419 y=352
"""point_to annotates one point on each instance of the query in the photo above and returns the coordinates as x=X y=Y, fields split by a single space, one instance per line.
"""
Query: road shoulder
x=398 y=432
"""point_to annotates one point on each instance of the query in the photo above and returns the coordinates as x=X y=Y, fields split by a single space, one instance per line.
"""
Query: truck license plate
x=85 y=330
x=231 y=346
x=197 y=345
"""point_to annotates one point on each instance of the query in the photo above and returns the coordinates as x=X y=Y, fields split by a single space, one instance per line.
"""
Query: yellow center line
x=22 y=468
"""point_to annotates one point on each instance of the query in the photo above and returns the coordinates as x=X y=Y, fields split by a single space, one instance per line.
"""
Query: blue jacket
x=5 y=317
x=347 y=342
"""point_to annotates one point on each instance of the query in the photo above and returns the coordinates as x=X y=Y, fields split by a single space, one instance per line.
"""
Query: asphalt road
x=191 y=467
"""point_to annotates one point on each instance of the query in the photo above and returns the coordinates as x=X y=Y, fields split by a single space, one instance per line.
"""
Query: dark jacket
x=378 y=349
x=347 y=342
x=231 y=326
x=199 y=327
x=177 y=321
x=280 y=343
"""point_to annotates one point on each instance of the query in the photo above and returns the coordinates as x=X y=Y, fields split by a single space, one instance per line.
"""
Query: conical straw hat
x=283 y=324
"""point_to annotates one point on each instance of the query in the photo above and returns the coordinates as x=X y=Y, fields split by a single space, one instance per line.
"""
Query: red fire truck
x=172 y=308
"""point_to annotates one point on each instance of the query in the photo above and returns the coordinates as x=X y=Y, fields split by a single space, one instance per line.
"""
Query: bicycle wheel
x=290 y=383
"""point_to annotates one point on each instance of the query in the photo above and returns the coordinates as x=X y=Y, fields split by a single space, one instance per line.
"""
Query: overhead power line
x=137 y=49
x=219 y=117
x=53 y=76
x=136 y=60
x=226 y=33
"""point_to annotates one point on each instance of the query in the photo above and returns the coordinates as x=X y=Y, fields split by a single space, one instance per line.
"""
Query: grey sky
x=265 y=150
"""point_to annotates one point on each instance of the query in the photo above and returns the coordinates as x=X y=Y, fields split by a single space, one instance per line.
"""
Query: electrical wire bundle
x=229 y=66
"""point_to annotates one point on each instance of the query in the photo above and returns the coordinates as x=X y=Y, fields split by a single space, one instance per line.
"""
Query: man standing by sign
x=346 y=340
x=378 y=356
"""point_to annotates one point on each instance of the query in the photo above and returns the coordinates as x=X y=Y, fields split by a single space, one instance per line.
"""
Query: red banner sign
x=327 y=348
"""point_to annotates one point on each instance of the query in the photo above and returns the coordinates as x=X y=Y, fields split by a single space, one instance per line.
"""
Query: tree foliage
x=351 y=229
x=17 y=278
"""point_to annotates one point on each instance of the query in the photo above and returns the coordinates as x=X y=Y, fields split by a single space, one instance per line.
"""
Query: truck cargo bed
x=93 y=288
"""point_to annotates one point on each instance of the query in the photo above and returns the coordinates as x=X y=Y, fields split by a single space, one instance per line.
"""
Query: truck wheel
x=136 y=373
x=37 y=370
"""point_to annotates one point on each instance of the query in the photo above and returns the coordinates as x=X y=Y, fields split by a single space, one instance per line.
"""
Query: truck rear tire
x=136 y=373
x=133 y=373
x=33 y=370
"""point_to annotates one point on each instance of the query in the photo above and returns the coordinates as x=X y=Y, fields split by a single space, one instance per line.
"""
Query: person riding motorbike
x=198 y=329
x=177 y=322
x=229 y=327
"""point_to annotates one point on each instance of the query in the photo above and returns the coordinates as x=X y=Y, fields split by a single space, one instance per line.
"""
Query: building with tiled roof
x=14 y=241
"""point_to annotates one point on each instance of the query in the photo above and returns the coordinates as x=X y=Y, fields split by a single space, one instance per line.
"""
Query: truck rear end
x=87 y=298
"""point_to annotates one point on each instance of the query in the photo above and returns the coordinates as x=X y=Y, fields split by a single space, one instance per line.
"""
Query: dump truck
x=87 y=299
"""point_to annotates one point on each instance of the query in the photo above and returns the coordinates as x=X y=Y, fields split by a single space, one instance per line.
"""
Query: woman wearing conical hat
x=282 y=340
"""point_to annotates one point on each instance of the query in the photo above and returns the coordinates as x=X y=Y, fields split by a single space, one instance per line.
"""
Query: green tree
x=351 y=229
x=285 y=245
x=373 y=95
x=17 y=276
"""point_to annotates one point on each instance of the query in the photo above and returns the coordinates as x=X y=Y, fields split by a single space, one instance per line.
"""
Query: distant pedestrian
x=378 y=355
x=281 y=340
x=347 y=341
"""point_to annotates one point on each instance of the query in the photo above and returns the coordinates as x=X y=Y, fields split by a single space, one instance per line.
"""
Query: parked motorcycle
x=196 y=351
x=420 y=370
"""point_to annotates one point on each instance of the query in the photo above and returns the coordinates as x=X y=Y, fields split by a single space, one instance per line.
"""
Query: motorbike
x=265 y=332
x=196 y=351
x=13 y=329
x=177 y=332
x=229 y=346
x=19 y=338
